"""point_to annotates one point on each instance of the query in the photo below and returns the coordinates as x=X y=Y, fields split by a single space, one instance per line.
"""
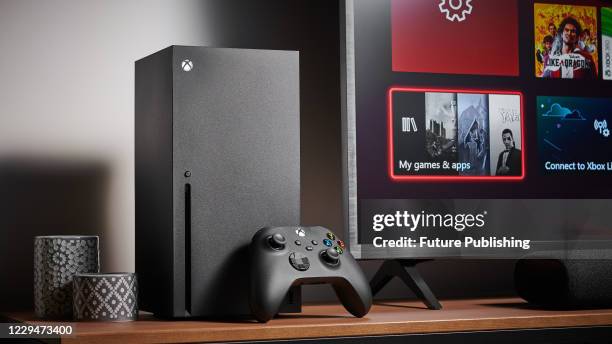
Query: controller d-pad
x=299 y=261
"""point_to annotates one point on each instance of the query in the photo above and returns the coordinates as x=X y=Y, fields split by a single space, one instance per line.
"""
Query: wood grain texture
x=317 y=321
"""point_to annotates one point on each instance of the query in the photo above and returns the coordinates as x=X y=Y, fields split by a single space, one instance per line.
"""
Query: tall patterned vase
x=56 y=260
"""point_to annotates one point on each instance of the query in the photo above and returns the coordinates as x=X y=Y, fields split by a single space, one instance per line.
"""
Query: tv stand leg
x=406 y=270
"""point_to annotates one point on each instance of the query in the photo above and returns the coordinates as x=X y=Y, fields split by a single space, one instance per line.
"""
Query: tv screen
x=476 y=128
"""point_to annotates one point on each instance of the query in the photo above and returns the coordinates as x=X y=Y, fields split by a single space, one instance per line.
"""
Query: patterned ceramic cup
x=56 y=260
x=106 y=297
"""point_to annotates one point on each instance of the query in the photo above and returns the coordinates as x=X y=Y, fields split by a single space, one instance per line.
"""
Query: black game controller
x=282 y=257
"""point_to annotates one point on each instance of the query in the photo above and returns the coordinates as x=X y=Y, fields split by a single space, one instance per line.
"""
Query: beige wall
x=67 y=89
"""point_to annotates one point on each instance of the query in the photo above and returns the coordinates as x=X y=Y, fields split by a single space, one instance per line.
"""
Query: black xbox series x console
x=217 y=158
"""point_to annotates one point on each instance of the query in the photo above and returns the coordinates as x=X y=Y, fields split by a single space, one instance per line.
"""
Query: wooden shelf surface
x=323 y=321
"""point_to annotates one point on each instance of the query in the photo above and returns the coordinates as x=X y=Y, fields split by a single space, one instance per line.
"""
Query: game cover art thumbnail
x=441 y=126
x=565 y=41
x=474 y=133
x=606 y=37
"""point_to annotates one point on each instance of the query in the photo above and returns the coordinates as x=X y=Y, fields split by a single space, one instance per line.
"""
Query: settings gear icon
x=606 y=132
x=456 y=10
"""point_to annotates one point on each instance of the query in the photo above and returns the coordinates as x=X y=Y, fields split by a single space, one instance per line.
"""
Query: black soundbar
x=566 y=279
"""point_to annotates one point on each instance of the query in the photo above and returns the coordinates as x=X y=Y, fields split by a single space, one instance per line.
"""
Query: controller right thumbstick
x=331 y=256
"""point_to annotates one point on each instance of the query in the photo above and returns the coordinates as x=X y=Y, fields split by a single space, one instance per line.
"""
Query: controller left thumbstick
x=277 y=241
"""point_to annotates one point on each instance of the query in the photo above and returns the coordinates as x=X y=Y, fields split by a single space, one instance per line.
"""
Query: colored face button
x=339 y=249
x=328 y=242
x=331 y=236
x=341 y=243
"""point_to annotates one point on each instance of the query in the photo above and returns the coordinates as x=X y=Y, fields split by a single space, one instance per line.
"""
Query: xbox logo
x=187 y=65
x=300 y=232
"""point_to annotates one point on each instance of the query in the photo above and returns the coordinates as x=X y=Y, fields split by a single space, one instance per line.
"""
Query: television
x=476 y=128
